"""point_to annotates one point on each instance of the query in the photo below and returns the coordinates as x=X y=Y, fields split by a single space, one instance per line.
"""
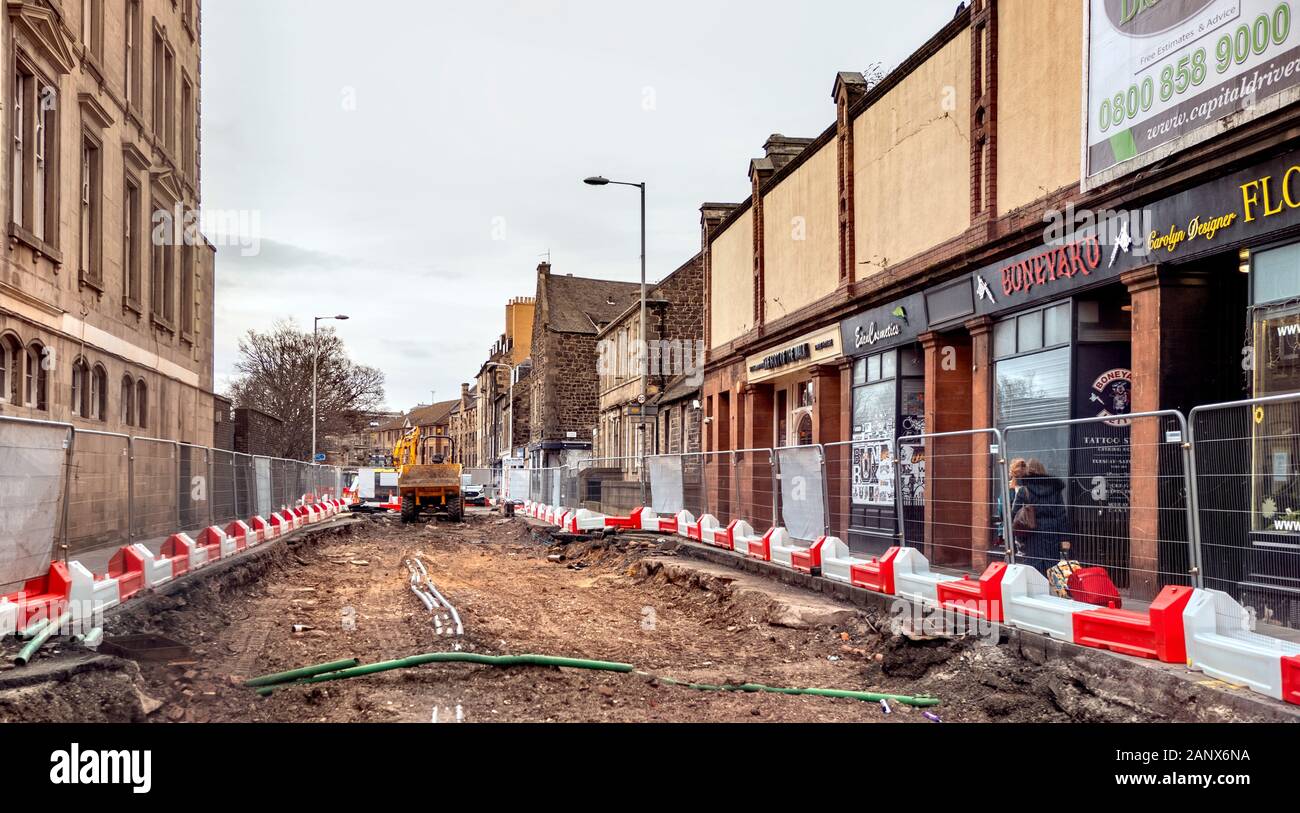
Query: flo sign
x=1162 y=72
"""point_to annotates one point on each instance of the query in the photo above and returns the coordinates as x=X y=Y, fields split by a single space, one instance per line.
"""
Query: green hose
x=471 y=657
x=870 y=697
x=265 y=688
x=33 y=629
x=44 y=634
x=305 y=672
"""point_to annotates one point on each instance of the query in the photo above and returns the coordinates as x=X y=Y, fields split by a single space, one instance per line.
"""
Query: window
x=128 y=400
x=36 y=376
x=187 y=128
x=34 y=196
x=90 y=211
x=159 y=86
x=131 y=244
x=187 y=290
x=1039 y=329
x=80 y=383
x=91 y=26
x=98 y=394
x=162 y=288
x=11 y=365
x=141 y=404
x=133 y=67
x=169 y=97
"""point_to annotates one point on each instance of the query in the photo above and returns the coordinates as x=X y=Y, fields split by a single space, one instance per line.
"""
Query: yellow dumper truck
x=426 y=488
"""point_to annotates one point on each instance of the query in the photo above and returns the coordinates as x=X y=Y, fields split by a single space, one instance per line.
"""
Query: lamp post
x=600 y=180
x=315 y=354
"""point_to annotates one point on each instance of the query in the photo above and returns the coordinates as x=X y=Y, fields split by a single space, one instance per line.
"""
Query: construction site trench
x=344 y=591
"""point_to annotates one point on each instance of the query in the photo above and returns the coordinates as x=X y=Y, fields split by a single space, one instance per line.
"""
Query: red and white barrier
x=1221 y=644
x=87 y=594
x=913 y=578
x=1158 y=633
x=155 y=571
x=1030 y=604
x=8 y=617
x=978 y=598
x=240 y=532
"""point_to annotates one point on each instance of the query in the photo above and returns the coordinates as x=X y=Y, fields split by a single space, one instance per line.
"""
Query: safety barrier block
x=1221 y=644
x=668 y=525
x=913 y=578
x=781 y=547
x=587 y=520
x=1028 y=603
x=239 y=531
x=562 y=518
x=649 y=520
x=301 y=516
x=42 y=596
x=282 y=522
x=1158 y=633
x=980 y=598
x=809 y=559
x=8 y=617
x=706 y=530
x=1291 y=679
x=155 y=570
x=88 y=593
x=835 y=559
x=312 y=513
x=875 y=574
x=214 y=539
x=630 y=522
x=128 y=568
x=180 y=551
x=264 y=530
x=685 y=521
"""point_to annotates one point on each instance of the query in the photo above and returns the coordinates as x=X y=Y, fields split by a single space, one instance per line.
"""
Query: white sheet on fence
x=32 y=461
x=803 y=504
x=262 y=466
x=518 y=484
x=666 y=485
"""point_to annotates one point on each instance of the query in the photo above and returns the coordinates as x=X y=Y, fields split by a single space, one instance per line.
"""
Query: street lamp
x=600 y=180
x=315 y=354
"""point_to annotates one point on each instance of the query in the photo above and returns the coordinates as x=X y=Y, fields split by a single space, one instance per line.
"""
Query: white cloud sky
x=470 y=117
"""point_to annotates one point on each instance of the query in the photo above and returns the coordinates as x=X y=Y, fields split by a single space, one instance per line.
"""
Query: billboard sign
x=1166 y=74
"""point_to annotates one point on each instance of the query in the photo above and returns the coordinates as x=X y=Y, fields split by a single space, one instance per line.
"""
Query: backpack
x=1092 y=585
x=1059 y=575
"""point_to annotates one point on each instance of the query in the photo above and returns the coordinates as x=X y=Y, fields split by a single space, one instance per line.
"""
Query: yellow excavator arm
x=405 y=450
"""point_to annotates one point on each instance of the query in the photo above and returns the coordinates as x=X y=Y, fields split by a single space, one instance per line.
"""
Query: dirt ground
x=346 y=594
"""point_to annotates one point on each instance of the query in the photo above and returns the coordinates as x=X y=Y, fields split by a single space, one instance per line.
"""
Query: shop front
x=887 y=401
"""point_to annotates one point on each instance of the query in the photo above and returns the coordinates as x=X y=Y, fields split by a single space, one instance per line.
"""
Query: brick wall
x=223 y=430
x=256 y=432
x=564 y=397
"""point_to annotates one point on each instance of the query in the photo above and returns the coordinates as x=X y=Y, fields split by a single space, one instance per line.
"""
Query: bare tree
x=274 y=376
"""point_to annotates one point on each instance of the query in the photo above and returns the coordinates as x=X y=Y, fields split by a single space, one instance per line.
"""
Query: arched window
x=99 y=393
x=36 y=377
x=11 y=369
x=141 y=404
x=128 y=400
x=80 y=386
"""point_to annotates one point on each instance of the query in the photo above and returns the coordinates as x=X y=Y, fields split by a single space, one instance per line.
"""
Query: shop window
x=1035 y=388
x=1033 y=331
x=806 y=394
x=1275 y=274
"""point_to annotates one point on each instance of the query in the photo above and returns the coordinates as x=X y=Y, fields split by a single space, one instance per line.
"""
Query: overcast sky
x=409 y=162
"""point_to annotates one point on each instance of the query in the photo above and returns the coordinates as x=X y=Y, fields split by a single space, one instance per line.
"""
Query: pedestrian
x=1039 y=520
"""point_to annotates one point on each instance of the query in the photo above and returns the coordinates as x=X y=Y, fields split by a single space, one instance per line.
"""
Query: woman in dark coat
x=1042 y=545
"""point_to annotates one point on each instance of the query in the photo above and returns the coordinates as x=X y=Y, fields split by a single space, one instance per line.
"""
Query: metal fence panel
x=754 y=488
x=666 y=490
x=1126 y=498
x=98 y=501
x=33 y=458
x=956 y=517
x=153 y=495
x=194 y=507
x=264 y=486
x=803 y=491
x=1247 y=457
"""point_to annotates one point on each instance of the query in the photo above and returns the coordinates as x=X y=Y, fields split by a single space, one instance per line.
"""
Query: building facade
x=106 y=288
x=564 y=391
x=508 y=358
x=947 y=256
x=464 y=427
x=634 y=382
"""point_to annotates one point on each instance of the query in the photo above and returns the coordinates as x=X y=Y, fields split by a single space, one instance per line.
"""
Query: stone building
x=571 y=311
x=106 y=314
x=256 y=432
x=508 y=356
x=643 y=393
x=939 y=259
x=464 y=427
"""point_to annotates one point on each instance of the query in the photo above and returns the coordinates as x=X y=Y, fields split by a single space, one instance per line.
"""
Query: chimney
x=778 y=151
x=849 y=87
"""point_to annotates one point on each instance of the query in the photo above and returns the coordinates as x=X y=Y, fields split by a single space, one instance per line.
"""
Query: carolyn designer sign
x=1160 y=72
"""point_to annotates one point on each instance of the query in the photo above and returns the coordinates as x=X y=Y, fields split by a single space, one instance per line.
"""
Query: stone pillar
x=754 y=471
x=985 y=488
x=948 y=538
